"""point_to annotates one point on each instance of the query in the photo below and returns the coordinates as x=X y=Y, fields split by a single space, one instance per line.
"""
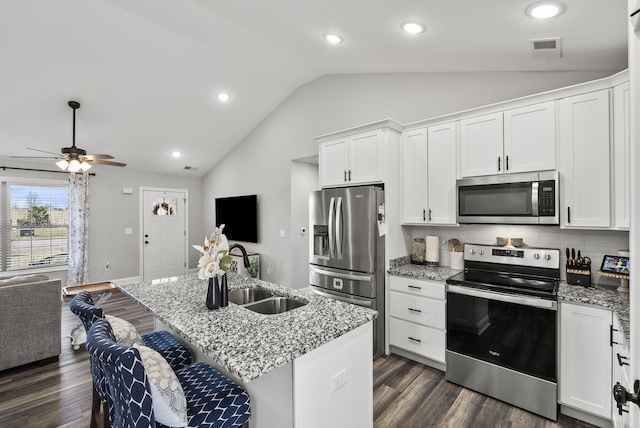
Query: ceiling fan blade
x=93 y=157
x=105 y=162
x=34 y=157
x=43 y=151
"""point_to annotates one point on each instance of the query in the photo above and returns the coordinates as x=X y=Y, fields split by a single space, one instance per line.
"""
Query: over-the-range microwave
x=523 y=198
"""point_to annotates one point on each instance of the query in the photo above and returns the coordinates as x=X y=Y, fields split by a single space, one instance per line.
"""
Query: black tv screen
x=239 y=214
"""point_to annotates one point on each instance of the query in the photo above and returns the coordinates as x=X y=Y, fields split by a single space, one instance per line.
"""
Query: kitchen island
x=308 y=367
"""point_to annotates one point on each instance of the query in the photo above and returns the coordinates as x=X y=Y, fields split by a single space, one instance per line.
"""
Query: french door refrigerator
x=346 y=249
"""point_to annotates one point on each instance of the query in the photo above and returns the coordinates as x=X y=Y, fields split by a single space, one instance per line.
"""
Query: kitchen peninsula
x=307 y=367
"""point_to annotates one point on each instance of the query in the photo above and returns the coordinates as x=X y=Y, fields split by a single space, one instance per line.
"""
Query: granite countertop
x=246 y=343
x=402 y=267
x=605 y=296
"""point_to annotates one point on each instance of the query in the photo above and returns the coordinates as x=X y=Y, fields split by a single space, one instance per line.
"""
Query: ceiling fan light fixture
x=84 y=166
x=62 y=164
x=74 y=166
x=544 y=10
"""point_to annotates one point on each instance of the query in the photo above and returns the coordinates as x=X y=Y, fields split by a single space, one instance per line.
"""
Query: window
x=35 y=224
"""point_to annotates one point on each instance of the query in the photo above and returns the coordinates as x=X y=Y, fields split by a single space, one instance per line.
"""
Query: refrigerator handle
x=332 y=242
x=339 y=227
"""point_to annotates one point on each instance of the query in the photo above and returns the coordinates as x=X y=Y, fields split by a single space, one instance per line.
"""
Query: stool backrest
x=130 y=403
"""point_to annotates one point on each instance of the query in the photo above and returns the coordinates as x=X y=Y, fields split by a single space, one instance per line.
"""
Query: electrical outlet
x=107 y=266
x=282 y=233
x=268 y=271
x=339 y=380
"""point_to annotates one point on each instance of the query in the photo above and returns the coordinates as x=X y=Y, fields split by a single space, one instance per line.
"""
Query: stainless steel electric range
x=502 y=324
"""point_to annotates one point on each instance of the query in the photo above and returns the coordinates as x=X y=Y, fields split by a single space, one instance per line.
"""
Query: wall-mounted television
x=239 y=214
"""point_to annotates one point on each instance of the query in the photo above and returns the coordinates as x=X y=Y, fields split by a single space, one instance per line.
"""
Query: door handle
x=506 y=163
x=498 y=163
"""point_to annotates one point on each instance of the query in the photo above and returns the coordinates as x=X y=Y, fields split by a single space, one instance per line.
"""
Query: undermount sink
x=275 y=305
x=243 y=296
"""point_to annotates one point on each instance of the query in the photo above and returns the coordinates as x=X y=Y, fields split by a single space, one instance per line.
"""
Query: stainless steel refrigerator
x=346 y=249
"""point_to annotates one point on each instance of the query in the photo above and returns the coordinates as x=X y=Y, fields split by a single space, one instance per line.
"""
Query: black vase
x=213 y=293
x=224 y=291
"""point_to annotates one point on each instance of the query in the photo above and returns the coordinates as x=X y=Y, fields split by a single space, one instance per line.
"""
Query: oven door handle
x=355 y=301
x=508 y=298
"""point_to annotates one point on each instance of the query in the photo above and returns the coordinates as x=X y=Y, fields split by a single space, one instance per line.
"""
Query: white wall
x=261 y=162
x=304 y=178
x=110 y=212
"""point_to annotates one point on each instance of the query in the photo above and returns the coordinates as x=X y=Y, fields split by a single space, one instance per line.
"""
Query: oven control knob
x=536 y=256
x=547 y=257
x=481 y=252
x=472 y=251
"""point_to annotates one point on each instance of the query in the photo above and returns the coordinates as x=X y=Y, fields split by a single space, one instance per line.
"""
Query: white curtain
x=78 y=229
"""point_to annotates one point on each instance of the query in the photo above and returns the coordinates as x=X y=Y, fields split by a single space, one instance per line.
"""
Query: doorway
x=164 y=233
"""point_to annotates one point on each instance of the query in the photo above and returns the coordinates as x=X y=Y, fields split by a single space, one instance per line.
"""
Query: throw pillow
x=169 y=403
x=124 y=331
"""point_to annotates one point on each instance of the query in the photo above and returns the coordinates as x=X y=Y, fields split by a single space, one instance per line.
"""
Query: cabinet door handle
x=568 y=214
x=424 y=215
x=620 y=362
x=349 y=175
x=345 y=175
x=429 y=214
x=419 y=311
x=414 y=339
x=611 y=330
x=414 y=287
x=506 y=163
x=498 y=163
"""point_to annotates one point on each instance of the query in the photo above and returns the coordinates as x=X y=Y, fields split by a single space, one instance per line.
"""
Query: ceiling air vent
x=191 y=168
x=546 y=48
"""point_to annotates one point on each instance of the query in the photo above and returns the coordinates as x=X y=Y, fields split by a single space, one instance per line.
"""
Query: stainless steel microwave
x=525 y=198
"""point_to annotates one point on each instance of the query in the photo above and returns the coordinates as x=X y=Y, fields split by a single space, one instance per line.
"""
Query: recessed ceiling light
x=412 y=27
x=176 y=154
x=332 y=38
x=223 y=96
x=544 y=10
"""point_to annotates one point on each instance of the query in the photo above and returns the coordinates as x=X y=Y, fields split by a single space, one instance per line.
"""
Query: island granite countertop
x=246 y=343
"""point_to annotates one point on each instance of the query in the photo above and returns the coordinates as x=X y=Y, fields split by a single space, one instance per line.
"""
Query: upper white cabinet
x=516 y=140
x=356 y=156
x=585 y=358
x=621 y=157
x=583 y=132
x=530 y=138
x=428 y=172
x=481 y=142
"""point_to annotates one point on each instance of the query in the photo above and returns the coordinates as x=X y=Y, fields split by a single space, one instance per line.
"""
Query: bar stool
x=175 y=352
x=212 y=400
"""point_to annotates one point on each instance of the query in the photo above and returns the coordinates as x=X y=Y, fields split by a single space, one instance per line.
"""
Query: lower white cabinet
x=417 y=317
x=621 y=375
x=585 y=359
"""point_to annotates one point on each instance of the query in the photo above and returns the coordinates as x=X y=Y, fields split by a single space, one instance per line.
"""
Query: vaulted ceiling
x=147 y=72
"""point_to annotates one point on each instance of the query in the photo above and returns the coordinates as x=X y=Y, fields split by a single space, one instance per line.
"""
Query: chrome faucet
x=245 y=258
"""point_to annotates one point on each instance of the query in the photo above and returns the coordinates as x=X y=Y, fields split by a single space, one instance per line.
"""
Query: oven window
x=517 y=337
x=508 y=199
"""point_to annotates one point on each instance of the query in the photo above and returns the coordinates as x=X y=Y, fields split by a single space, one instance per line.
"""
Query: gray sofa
x=30 y=325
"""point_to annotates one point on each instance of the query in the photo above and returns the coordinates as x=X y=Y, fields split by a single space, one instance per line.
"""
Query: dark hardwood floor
x=406 y=394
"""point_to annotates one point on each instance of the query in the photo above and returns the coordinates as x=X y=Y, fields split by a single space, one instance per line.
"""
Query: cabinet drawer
x=424 y=341
x=417 y=287
x=421 y=310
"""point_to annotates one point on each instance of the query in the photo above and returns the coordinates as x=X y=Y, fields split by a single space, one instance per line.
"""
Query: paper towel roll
x=433 y=249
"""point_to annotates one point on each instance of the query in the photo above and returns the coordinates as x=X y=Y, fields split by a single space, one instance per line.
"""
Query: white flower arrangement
x=215 y=257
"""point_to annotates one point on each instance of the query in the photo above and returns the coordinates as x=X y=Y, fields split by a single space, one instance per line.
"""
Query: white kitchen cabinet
x=521 y=139
x=530 y=138
x=585 y=359
x=481 y=144
x=583 y=130
x=417 y=319
x=429 y=175
x=354 y=159
x=621 y=374
x=621 y=157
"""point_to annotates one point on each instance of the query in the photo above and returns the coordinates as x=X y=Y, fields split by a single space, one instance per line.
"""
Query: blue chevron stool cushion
x=213 y=400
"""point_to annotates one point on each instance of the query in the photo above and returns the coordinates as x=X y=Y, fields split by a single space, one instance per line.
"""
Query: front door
x=163 y=234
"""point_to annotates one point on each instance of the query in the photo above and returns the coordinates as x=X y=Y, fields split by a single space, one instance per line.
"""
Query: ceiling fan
x=74 y=159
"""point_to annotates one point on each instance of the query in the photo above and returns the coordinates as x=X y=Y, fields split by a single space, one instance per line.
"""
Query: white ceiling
x=147 y=71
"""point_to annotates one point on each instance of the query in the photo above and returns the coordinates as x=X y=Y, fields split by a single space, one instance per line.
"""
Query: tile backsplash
x=592 y=243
